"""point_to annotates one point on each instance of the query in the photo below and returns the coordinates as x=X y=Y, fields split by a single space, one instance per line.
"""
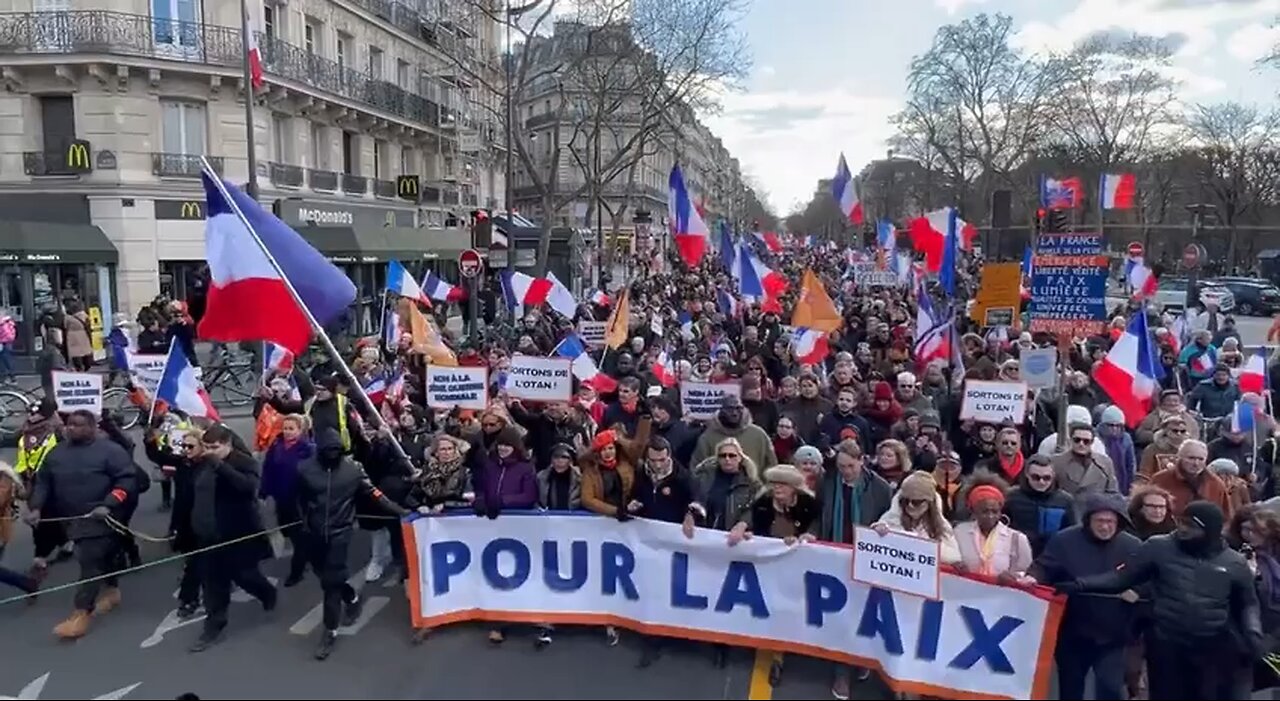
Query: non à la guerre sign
x=74 y=391
x=461 y=387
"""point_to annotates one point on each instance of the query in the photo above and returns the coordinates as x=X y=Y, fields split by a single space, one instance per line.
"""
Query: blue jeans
x=6 y=360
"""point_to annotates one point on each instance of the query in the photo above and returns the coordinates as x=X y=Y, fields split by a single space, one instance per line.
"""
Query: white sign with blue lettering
x=976 y=638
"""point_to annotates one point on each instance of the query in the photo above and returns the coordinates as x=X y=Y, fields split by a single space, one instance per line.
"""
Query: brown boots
x=77 y=624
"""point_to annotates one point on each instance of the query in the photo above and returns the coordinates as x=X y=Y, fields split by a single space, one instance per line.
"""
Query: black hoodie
x=1039 y=515
x=328 y=483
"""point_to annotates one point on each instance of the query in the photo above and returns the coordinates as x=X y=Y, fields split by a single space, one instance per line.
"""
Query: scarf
x=629 y=407
x=1011 y=468
x=855 y=513
x=441 y=479
x=986 y=546
x=610 y=464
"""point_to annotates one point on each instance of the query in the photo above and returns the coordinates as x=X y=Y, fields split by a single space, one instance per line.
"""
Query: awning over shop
x=337 y=243
x=52 y=242
x=342 y=244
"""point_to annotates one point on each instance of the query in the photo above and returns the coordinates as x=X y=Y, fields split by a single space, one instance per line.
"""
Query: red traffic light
x=1040 y=213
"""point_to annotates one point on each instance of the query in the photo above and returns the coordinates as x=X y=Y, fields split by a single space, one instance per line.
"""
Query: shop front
x=50 y=254
x=361 y=240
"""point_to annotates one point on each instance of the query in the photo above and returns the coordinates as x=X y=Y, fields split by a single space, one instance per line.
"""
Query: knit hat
x=562 y=450
x=1112 y=415
x=918 y=485
x=883 y=391
x=602 y=439
x=1077 y=414
x=929 y=417
x=807 y=453
x=1224 y=466
x=785 y=474
x=1206 y=515
x=509 y=436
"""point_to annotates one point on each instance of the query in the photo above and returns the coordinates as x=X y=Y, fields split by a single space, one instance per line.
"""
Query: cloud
x=1253 y=41
x=953 y=6
x=790 y=139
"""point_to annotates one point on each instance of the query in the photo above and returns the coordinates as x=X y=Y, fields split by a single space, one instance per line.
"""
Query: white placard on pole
x=592 y=333
x=461 y=387
x=994 y=402
x=898 y=562
x=540 y=379
x=1038 y=367
x=701 y=400
x=74 y=391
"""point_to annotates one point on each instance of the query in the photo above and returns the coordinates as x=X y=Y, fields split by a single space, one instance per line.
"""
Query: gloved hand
x=100 y=512
x=622 y=514
x=1068 y=587
x=493 y=511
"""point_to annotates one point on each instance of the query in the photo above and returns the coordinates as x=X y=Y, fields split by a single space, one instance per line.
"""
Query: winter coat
x=1161 y=454
x=682 y=437
x=742 y=492
x=1212 y=399
x=233 y=482
x=807 y=413
x=1038 y=515
x=1146 y=432
x=666 y=499
x=505 y=484
x=440 y=483
x=78 y=344
x=76 y=478
x=1208 y=487
x=949 y=549
x=1012 y=552
x=280 y=469
x=756 y=444
x=876 y=498
x=805 y=515
x=629 y=452
x=575 y=488
x=545 y=433
x=834 y=423
x=1077 y=478
x=328 y=492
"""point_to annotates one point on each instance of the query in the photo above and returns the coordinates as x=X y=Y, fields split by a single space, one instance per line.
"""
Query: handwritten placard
x=701 y=400
x=74 y=391
x=461 y=387
x=540 y=379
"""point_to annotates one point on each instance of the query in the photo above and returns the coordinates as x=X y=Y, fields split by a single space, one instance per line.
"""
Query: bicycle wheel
x=238 y=384
x=14 y=408
x=118 y=400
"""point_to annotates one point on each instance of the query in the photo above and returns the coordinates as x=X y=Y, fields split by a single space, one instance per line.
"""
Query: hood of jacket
x=328 y=438
x=1093 y=503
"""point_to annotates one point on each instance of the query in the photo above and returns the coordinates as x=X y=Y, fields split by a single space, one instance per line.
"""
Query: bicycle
x=17 y=404
x=231 y=378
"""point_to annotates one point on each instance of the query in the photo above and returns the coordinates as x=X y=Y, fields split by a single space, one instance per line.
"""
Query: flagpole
x=329 y=348
x=251 y=186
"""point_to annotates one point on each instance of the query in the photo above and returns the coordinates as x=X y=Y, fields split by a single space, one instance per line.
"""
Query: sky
x=828 y=74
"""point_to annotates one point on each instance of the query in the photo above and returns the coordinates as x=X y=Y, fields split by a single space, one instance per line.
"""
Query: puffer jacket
x=327 y=491
x=78 y=477
x=1191 y=596
x=1038 y=515
x=1213 y=400
x=737 y=506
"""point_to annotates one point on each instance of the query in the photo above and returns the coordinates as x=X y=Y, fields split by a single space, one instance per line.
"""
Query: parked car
x=1172 y=294
x=1254 y=296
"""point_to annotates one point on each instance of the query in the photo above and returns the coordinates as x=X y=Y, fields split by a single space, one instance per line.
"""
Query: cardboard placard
x=145 y=370
x=898 y=562
x=74 y=391
x=701 y=400
x=999 y=294
x=461 y=387
x=540 y=379
x=994 y=402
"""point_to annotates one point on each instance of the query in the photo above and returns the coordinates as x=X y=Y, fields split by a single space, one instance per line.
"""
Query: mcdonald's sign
x=407 y=187
x=189 y=210
x=78 y=157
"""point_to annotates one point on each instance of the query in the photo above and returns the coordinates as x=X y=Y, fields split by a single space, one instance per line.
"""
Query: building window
x=380 y=150
x=402 y=74
x=344 y=40
x=269 y=21
x=184 y=127
x=408 y=161
x=282 y=137
x=350 y=156
x=319 y=147
x=375 y=63
x=58 y=121
x=310 y=34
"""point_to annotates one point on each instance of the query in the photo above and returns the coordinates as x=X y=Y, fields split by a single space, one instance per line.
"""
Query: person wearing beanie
x=1095 y=630
x=608 y=468
x=1119 y=444
x=1206 y=629
x=809 y=460
x=988 y=546
x=507 y=481
x=917 y=509
x=1075 y=414
x=1228 y=471
x=1163 y=450
x=1170 y=404
x=666 y=424
x=883 y=412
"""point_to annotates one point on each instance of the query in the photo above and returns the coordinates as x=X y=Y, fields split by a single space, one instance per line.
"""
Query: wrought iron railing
x=430 y=195
x=285 y=174
x=51 y=162
x=326 y=180
x=354 y=184
x=181 y=165
x=122 y=34
x=384 y=188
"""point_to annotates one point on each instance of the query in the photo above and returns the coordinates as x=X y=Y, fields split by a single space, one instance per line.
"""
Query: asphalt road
x=139 y=651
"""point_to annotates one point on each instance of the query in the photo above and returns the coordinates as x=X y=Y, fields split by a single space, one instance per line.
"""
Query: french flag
x=248 y=300
x=180 y=388
x=1061 y=193
x=276 y=360
x=560 y=298
x=400 y=282
x=1243 y=417
x=583 y=367
x=376 y=389
x=1204 y=363
x=845 y=190
x=518 y=289
x=1253 y=376
x=886 y=236
x=665 y=370
x=1141 y=279
x=1118 y=190
x=257 y=77
x=1130 y=373
x=758 y=281
x=930 y=231
x=770 y=241
x=933 y=333
x=396 y=388
x=727 y=303
x=690 y=231
x=600 y=298
x=686 y=325
x=439 y=290
x=809 y=346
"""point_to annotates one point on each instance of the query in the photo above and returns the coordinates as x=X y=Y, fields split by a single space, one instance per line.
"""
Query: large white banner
x=979 y=640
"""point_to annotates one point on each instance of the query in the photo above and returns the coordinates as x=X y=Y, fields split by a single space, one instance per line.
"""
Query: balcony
x=354 y=184
x=50 y=163
x=385 y=188
x=325 y=180
x=451 y=197
x=430 y=195
x=471 y=200
x=285 y=175
x=538 y=120
x=121 y=34
x=182 y=165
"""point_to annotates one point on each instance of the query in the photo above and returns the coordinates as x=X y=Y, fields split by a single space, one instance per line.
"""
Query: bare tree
x=976 y=107
x=1237 y=163
x=617 y=75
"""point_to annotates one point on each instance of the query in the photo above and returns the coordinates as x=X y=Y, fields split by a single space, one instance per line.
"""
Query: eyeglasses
x=1160 y=506
x=1082 y=440
x=1040 y=478
x=190 y=446
x=915 y=502
x=729 y=456
x=1008 y=442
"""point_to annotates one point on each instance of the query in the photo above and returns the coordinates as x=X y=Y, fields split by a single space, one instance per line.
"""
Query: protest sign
x=701 y=400
x=976 y=640
x=78 y=390
x=1038 y=367
x=869 y=275
x=994 y=402
x=145 y=370
x=999 y=294
x=462 y=387
x=897 y=561
x=540 y=379
x=592 y=333
x=1069 y=285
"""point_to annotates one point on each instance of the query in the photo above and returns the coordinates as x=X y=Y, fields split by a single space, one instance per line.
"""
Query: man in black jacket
x=328 y=484
x=1205 y=616
x=90 y=476
x=224 y=513
x=1036 y=507
x=1095 y=629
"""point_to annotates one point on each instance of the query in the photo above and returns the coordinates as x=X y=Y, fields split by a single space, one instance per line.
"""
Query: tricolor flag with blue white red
x=933 y=332
x=770 y=241
x=1130 y=373
x=1142 y=279
x=727 y=303
x=1061 y=193
x=809 y=346
x=665 y=370
x=248 y=299
x=400 y=282
x=1243 y=417
x=886 y=236
x=845 y=190
x=1118 y=190
x=376 y=389
x=1253 y=376
x=276 y=360
x=687 y=227
x=180 y=387
x=583 y=367
x=686 y=325
x=441 y=291
x=520 y=289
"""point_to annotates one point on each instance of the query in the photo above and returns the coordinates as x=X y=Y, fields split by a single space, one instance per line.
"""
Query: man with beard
x=625 y=411
x=1205 y=614
x=844 y=415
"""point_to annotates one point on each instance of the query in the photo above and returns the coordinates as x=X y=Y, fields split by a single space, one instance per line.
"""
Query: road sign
x=1136 y=249
x=1192 y=255
x=470 y=263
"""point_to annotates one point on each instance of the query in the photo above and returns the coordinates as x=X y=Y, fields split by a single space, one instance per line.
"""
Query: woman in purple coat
x=505 y=481
x=280 y=483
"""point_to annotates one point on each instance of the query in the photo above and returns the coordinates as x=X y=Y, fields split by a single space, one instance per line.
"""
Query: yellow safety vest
x=30 y=459
x=342 y=420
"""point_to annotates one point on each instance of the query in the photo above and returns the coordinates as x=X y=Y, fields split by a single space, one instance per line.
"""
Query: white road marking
x=315 y=617
x=171 y=621
x=32 y=691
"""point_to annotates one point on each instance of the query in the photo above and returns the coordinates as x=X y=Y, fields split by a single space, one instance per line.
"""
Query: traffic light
x=481 y=229
x=1039 y=223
